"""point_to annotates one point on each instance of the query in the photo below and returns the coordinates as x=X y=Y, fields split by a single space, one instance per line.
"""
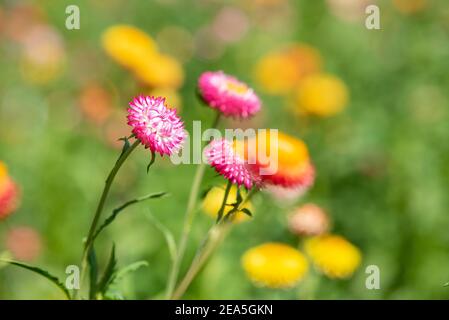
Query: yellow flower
x=128 y=45
x=3 y=171
x=172 y=97
x=333 y=255
x=274 y=265
x=321 y=95
x=279 y=72
x=214 y=198
x=160 y=70
x=137 y=51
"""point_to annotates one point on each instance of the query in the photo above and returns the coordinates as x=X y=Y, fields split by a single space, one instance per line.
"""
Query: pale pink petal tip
x=228 y=95
x=157 y=127
x=221 y=156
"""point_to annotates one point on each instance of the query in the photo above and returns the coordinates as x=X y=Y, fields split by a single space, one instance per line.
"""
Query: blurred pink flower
x=230 y=25
x=24 y=243
x=155 y=125
x=228 y=95
x=308 y=220
x=222 y=156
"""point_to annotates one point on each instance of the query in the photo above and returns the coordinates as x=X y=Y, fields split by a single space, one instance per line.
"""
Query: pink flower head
x=222 y=156
x=155 y=125
x=228 y=95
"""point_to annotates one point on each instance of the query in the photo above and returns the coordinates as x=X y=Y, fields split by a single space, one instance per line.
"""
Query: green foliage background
x=382 y=165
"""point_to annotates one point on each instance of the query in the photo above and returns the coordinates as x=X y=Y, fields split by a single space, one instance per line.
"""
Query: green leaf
x=43 y=273
x=93 y=273
x=109 y=273
x=112 y=292
x=153 y=158
x=169 y=238
x=129 y=269
x=239 y=198
x=126 y=146
x=116 y=211
x=446 y=284
x=4 y=257
x=206 y=191
x=247 y=211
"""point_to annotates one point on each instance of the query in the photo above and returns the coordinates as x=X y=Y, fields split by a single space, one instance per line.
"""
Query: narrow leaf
x=247 y=211
x=129 y=269
x=93 y=273
x=109 y=272
x=126 y=146
x=116 y=211
x=112 y=293
x=205 y=192
x=239 y=198
x=153 y=158
x=43 y=273
x=168 y=236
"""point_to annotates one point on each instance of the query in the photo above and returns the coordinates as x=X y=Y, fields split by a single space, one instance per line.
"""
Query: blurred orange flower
x=95 y=103
x=9 y=193
x=294 y=168
x=410 y=6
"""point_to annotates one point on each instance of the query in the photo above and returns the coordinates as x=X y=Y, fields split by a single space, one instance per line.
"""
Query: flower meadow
x=344 y=172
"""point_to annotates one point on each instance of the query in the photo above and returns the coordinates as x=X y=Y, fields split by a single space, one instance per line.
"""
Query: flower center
x=236 y=87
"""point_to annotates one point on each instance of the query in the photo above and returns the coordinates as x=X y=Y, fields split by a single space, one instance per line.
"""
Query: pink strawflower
x=24 y=243
x=155 y=125
x=221 y=155
x=228 y=95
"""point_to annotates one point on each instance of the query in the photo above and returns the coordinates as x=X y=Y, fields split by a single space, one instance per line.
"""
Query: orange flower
x=9 y=193
x=410 y=6
x=281 y=160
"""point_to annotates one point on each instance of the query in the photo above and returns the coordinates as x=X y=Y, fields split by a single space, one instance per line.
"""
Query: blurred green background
x=382 y=164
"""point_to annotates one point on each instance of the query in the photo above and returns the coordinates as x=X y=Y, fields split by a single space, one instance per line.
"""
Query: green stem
x=214 y=237
x=188 y=221
x=225 y=200
x=90 y=236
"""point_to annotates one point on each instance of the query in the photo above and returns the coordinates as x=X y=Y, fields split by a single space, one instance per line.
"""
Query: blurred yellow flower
x=279 y=72
x=137 y=51
x=321 y=95
x=128 y=45
x=160 y=71
x=172 y=97
x=333 y=255
x=214 y=198
x=274 y=265
x=3 y=172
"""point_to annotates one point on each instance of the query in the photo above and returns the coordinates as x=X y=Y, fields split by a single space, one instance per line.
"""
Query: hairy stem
x=188 y=221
